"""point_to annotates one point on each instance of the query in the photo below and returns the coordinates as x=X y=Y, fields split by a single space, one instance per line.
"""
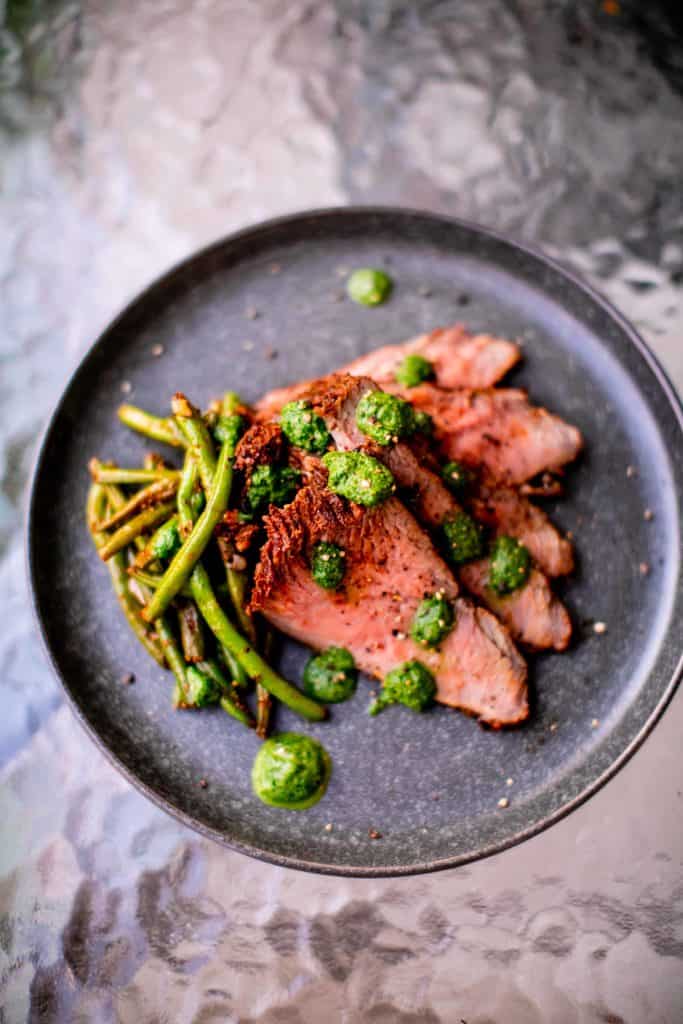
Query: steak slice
x=538 y=620
x=505 y=510
x=498 y=429
x=459 y=359
x=390 y=566
x=533 y=613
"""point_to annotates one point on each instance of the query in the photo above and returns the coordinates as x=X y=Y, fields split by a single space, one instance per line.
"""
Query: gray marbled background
x=130 y=134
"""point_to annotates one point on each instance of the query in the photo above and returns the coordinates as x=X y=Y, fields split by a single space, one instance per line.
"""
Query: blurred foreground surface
x=131 y=134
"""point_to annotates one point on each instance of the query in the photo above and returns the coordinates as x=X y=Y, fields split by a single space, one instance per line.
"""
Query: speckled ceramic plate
x=265 y=307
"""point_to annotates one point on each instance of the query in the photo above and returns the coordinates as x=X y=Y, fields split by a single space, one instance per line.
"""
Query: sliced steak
x=532 y=622
x=533 y=613
x=459 y=360
x=390 y=566
x=498 y=429
x=507 y=511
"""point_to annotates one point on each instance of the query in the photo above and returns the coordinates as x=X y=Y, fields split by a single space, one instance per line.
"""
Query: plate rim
x=253 y=230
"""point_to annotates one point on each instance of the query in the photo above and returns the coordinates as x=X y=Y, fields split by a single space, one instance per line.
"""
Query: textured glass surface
x=132 y=133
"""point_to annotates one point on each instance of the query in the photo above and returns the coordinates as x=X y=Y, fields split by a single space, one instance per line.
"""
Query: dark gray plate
x=430 y=784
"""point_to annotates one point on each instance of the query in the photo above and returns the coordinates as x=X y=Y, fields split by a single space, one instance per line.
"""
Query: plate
x=267 y=306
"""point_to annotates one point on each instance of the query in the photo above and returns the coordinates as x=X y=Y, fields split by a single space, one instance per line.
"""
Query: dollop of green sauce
x=358 y=477
x=303 y=427
x=464 y=538
x=457 y=478
x=331 y=676
x=413 y=370
x=271 y=485
x=411 y=684
x=230 y=429
x=432 y=621
x=201 y=689
x=328 y=565
x=368 y=286
x=509 y=565
x=291 y=771
x=383 y=417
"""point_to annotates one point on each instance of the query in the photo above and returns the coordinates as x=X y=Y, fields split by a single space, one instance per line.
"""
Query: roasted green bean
x=251 y=661
x=95 y=508
x=184 y=561
x=134 y=527
x=146 y=497
x=158 y=428
x=191 y=636
x=117 y=475
x=196 y=433
x=174 y=659
x=188 y=480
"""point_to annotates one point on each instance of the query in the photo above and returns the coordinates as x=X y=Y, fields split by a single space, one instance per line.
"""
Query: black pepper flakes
x=203 y=783
x=128 y=679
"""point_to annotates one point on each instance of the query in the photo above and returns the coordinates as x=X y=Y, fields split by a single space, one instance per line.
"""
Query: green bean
x=152 y=580
x=174 y=660
x=116 y=475
x=95 y=507
x=157 y=427
x=116 y=499
x=239 y=676
x=136 y=588
x=191 y=636
x=147 y=497
x=250 y=660
x=202 y=455
x=193 y=428
x=232 y=404
x=264 y=705
x=185 y=491
x=152 y=460
x=184 y=561
x=237 y=588
x=230 y=701
x=133 y=528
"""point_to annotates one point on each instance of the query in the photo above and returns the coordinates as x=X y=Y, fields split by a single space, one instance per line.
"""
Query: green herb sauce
x=464 y=538
x=358 y=477
x=410 y=684
x=383 y=417
x=331 y=676
x=303 y=427
x=328 y=564
x=291 y=771
x=271 y=485
x=509 y=565
x=413 y=371
x=432 y=621
x=369 y=287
